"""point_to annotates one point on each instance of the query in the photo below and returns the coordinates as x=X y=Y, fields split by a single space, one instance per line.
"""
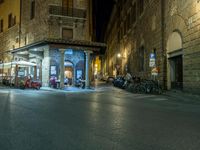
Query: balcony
x=60 y=11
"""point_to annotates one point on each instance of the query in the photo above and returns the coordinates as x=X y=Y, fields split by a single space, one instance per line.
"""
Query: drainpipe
x=164 y=60
x=20 y=19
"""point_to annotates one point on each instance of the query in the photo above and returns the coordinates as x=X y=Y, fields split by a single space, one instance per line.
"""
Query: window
x=32 y=10
x=67 y=33
x=9 y=20
x=118 y=36
x=81 y=3
x=141 y=58
x=121 y=33
x=1 y=1
x=67 y=7
x=1 y=25
x=67 y=3
x=133 y=13
x=140 y=6
x=125 y=26
x=128 y=21
x=14 y=20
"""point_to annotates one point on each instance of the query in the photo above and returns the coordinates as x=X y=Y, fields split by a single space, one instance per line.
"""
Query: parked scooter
x=28 y=83
x=80 y=83
x=119 y=81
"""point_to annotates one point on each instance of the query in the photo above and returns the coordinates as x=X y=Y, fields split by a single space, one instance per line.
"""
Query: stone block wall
x=35 y=29
x=184 y=17
x=44 y=26
x=8 y=41
x=152 y=32
x=146 y=32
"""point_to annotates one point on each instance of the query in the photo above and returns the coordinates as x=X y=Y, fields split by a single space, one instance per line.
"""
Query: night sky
x=102 y=12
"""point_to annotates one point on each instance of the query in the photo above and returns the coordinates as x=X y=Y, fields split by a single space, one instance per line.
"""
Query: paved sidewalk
x=97 y=86
x=67 y=89
x=183 y=96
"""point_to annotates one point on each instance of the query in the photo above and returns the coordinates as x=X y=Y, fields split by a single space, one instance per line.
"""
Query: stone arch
x=69 y=71
x=174 y=60
x=174 y=41
x=175 y=24
x=69 y=63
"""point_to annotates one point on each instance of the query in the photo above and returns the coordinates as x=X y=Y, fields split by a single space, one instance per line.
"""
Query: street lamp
x=122 y=56
x=122 y=60
x=119 y=55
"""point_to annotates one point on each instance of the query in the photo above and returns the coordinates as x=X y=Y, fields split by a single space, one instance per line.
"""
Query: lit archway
x=174 y=42
x=69 y=72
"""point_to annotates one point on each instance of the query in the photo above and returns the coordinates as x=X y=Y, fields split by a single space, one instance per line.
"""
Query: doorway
x=69 y=73
x=175 y=61
x=176 y=67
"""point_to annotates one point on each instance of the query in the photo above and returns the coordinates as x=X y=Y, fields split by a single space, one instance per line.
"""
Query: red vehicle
x=32 y=84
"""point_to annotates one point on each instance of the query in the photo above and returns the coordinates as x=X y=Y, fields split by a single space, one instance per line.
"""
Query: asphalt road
x=104 y=120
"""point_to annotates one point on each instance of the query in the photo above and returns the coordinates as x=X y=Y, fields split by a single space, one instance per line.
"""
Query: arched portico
x=69 y=72
x=75 y=60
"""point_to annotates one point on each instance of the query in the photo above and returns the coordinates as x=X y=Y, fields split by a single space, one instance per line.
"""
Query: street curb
x=183 y=97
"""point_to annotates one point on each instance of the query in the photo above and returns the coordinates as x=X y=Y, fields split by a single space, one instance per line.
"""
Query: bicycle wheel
x=142 y=89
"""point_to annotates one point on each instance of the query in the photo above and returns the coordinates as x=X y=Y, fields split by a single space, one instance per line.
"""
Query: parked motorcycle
x=80 y=83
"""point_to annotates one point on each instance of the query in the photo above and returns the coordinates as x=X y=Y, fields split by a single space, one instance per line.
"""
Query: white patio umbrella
x=19 y=63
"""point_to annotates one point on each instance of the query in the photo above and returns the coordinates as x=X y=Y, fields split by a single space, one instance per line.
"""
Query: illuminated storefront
x=65 y=60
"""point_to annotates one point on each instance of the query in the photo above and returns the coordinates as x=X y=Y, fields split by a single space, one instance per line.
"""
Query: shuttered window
x=67 y=33
x=1 y=25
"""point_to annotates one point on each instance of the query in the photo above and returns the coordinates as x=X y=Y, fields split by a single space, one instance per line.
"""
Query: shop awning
x=61 y=43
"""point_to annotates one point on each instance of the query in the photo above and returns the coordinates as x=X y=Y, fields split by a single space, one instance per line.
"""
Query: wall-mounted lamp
x=119 y=55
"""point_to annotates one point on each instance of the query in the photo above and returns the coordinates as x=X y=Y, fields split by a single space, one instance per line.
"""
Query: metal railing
x=67 y=12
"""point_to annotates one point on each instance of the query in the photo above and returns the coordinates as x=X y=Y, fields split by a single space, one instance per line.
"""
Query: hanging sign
x=69 y=52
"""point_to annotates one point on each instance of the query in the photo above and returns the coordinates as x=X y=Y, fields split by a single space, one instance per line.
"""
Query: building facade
x=155 y=39
x=9 y=26
x=57 y=36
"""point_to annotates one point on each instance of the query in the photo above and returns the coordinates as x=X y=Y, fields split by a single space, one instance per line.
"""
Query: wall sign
x=53 y=70
x=152 y=60
x=69 y=51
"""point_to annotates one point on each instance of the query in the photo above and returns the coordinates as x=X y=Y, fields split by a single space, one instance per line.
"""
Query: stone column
x=62 y=67
x=74 y=82
x=16 y=75
x=46 y=67
x=87 y=69
x=35 y=72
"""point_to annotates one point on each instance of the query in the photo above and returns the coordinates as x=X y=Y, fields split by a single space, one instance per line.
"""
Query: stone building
x=9 y=26
x=57 y=36
x=146 y=37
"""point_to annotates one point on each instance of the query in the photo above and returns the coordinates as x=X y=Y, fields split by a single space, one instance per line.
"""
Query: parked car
x=108 y=79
